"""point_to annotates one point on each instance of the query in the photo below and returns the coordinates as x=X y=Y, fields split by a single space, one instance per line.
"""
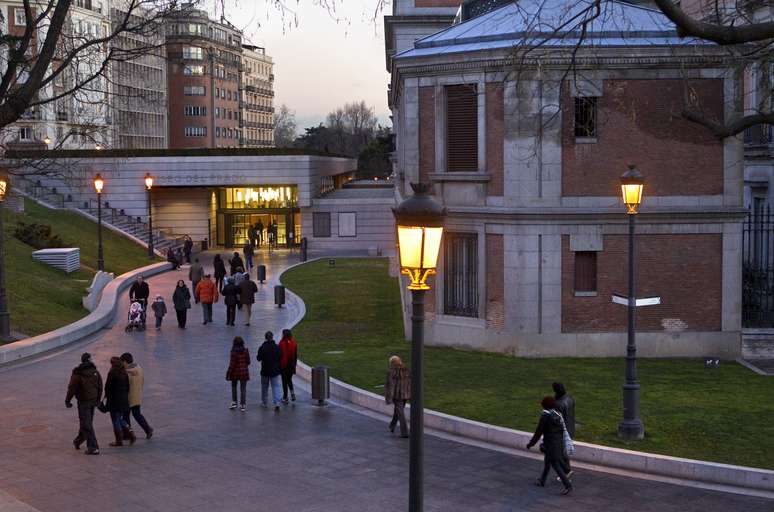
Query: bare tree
x=284 y=127
x=360 y=120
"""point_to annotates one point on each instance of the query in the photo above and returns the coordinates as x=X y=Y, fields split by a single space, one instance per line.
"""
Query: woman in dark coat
x=236 y=263
x=238 y=371
x=181 y=300
x=219 y=271
x=230 y=294
x=117 y=401
x=550 y=427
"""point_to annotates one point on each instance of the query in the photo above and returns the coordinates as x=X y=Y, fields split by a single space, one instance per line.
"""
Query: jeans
x=158 y=321
x=242 y=391
x=287 y=382
x=275 y=389
x=86 y=427
x=247 y=312
x=182 y=315
x=230 y=314
x=135 y=410
x=398 y=415
x=193 y=289
x=557 y=464
x=207 y=311
x=117 y=418
x=219 y=283
x=249 y=262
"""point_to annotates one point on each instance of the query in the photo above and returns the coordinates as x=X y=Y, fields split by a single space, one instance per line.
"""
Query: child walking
x=159 y=310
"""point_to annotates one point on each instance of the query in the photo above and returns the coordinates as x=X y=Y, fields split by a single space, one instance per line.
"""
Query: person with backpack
x=230 y=294
x=288 y=359
x=269 y=357
x=86 y=386
x=551 y=428
x=247 y=291
x=136 y=383
x=238 y=371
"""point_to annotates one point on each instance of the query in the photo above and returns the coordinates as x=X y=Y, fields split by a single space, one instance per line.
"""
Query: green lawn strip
x=42 y=298
x=721 y=415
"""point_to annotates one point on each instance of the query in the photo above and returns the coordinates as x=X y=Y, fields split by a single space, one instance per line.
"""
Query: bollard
x=261 y=273
x=279 y=295
x=303 y=248
x=321 y=384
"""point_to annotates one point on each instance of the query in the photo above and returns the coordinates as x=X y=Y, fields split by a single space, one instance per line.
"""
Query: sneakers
x=95 y=451
x=233 y=406
x=285 y=401
x=569 y=476
x=242 y=408
x=149 y=434
x=292 y=396
x=566 y=491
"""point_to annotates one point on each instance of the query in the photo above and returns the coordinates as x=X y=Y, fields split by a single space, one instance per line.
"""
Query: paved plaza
x=204 y=457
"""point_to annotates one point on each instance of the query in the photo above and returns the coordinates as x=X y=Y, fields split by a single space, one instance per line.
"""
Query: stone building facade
x=257 y=102
x=526 y=156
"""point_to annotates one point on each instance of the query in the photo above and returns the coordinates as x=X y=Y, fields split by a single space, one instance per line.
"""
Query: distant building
x=203 y=80
x=257 y=105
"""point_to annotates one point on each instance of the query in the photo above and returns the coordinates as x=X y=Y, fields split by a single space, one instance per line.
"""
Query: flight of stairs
x=758 y=344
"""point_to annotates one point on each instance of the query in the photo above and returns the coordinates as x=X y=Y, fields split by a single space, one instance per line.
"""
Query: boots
x=119 y=438
x=128 y=434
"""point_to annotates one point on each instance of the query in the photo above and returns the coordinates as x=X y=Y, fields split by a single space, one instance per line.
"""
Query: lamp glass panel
x=632 y=193
x=98 y=184
x=148 y=182
x=432 y=246
x=3 y=188
x=410 y=245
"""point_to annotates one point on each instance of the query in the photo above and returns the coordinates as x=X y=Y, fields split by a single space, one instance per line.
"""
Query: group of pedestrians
x=122 y=400
x=278 y=365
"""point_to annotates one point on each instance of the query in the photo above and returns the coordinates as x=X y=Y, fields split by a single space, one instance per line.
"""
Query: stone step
x=758 y=345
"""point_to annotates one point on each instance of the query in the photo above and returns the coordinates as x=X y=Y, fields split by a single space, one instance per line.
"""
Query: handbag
x=569 y=446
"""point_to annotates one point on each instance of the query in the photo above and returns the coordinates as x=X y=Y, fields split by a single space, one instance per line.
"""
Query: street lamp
x=148 y=186
x=420 y=226
x=99 y=183
x=5 y=316
x=631 y=427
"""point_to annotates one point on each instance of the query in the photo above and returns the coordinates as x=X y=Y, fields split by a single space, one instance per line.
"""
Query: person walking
x=236 y=263
x=139 y=292
x=230 y=294
x=248 y=250
x=195 y=274
x=238 y=372
x=251 y=234
x=259 y=231
x=181 y=300
x=172 y=258
x=565 y=405
x=208 y=295
x=117 y=401
x=288 y=358
x=187 y=248
x=550 y=427
x=159 y=308
x=397 y=391
x=136 y=382
x=269 y=357
x=247 y=291
x=86 y=386
x=219 y=271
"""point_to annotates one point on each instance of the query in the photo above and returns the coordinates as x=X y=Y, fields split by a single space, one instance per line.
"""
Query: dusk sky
x=323 y=61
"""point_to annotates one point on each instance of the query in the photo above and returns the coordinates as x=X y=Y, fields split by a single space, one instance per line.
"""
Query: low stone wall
x=91 y=323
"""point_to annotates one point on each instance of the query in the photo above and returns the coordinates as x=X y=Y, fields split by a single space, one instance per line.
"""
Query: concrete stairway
x=758 y=344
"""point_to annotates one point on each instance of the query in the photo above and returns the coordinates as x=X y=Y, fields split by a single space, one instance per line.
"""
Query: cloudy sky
x=321 y=60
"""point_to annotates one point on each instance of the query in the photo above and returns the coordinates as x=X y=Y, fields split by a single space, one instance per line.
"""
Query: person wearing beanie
x=86 y=386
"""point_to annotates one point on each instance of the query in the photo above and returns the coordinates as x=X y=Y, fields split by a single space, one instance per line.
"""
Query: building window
x=348 y=224
x=585 y=117
x=217 y=112
x=19 y=19
x=229 y=95
x=194 y=90
x=193 y=110
x=195 y=131
x=217 y=131
x=460 y=274
x=25 y=133
x=193 y=53
x=321 y=224
x=461 y=128
x=585 y=272
x=190 y=70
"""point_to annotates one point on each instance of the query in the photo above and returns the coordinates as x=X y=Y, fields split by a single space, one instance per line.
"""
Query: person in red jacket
x=238 y=371
x=207 y=292
x=288 y=358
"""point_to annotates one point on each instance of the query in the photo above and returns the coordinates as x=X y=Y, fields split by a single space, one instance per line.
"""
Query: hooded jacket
x=181 y=298
x=136 y=381
x=85 y=384
x=269 y=357
x=207 y=291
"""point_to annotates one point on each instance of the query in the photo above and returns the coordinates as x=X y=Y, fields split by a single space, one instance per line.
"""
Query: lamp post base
x=631 y=430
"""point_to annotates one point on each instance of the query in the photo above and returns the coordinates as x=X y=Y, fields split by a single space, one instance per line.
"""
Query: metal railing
x=758 y=269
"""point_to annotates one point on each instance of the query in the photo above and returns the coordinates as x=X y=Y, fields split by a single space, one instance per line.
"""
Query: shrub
x=38 y=236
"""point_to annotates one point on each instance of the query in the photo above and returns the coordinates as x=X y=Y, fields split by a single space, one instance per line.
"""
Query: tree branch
x=721 y=34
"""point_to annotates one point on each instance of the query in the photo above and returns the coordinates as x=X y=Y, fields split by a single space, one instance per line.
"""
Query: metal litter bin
x=303 y=248
x=204 y=245
x=279 y=295
x=261 y=273
x=321 y=385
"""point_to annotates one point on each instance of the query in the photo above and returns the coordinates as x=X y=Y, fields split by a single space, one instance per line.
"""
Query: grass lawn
x=42 y=298
x=353 y=324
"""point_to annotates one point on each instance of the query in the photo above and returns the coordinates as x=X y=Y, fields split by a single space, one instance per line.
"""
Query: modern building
x=139 y=99
x=204 y=60
x=526 y=158
x=257 y=98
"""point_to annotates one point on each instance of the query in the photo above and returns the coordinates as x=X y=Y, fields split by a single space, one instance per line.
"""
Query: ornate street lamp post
x=631 y=427
x=420 y=226
x=5 y=316
x=148 y=186
x=99 y=183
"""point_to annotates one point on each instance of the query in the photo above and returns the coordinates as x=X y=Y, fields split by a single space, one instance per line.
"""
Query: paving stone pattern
x=205 y=457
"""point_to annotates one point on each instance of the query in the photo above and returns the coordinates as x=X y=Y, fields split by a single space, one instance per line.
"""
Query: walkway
x=205 y=457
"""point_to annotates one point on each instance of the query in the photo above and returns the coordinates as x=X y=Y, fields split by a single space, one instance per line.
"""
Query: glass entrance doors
x=282 y=229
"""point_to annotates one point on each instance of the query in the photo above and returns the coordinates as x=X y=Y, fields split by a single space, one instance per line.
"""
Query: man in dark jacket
x=195 y=274
x=550 y=429
x=86 y=386
x=269 y=357
x=565 y=405
x=139 y=292
x=247 y=291
x=230 y=294
x=236 y=264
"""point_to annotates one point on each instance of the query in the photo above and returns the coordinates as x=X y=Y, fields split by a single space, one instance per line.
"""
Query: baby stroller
x=136 y=317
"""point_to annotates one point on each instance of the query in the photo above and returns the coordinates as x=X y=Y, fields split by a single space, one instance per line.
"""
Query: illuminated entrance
x=270 y=210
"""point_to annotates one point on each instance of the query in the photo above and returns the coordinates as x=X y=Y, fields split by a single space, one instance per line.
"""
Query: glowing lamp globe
x=632 y=183
x=3 y=187
x=419 y=219
x=148 y=181
x=99 y=183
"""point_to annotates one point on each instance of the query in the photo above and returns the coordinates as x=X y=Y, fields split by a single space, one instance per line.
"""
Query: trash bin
x=303 y=248
x=321 y=386
x=261 y=272
x=204 y=245
x=279 y=295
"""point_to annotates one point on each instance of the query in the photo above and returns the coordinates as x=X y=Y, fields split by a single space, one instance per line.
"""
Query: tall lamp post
x=99 y=183
x=5 y=316
x=420 y=226
x=148 y=186
x=631 y=427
